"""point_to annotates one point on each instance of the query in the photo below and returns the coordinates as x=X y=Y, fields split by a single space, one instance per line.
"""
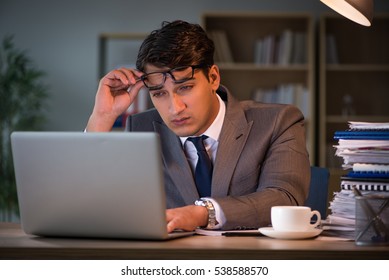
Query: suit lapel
x=233 y=137
x=176 y=163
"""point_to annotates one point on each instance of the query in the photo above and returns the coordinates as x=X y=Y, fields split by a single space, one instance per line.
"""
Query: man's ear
x=214 y=76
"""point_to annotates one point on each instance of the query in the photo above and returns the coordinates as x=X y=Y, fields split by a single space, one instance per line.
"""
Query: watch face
x=200 y=203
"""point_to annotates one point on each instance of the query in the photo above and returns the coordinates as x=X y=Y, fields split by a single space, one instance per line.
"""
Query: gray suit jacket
x=261 y=161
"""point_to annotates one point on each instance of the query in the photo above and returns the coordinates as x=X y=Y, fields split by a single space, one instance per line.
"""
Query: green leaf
x=22 y=103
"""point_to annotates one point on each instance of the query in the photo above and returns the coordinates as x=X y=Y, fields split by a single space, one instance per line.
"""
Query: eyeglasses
x=156 y=80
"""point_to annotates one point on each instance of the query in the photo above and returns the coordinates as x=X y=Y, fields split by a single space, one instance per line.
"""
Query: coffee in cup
x=293 y=218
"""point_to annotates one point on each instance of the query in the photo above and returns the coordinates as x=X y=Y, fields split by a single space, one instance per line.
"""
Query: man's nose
x=176 y=104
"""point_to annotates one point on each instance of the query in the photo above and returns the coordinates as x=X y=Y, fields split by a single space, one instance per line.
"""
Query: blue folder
x=362 y=134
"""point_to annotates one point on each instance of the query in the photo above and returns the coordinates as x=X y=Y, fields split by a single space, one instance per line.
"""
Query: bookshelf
x=258 y=55
x=118 y=49
x=354 y=78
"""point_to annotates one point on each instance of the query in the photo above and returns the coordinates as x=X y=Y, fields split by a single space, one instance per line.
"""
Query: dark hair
x=176 y=43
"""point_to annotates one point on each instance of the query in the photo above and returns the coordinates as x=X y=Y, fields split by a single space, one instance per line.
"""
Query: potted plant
x=22 y=100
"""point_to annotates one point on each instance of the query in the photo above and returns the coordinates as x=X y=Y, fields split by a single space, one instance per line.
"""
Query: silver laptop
x=99 y=185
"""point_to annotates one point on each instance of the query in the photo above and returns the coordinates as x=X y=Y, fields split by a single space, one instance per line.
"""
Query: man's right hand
x=116 y=92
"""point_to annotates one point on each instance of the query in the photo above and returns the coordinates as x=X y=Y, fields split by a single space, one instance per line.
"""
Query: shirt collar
x=215 y=128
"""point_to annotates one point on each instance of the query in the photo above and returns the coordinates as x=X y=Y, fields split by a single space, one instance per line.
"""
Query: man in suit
x=257 y=151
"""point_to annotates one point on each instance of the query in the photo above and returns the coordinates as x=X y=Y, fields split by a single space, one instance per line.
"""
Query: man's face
x=190 y=107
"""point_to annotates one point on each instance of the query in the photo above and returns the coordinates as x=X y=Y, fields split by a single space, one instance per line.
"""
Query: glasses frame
x=170 y=73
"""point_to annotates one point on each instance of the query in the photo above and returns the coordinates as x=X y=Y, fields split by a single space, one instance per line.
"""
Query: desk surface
x=15 y=244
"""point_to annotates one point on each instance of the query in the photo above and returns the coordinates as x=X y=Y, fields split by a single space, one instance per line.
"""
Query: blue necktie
x=203 y=171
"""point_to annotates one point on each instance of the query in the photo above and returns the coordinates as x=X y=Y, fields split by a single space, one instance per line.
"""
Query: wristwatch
x=212 y=222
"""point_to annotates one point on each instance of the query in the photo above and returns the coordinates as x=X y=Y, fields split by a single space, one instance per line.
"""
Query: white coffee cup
x=293 y=218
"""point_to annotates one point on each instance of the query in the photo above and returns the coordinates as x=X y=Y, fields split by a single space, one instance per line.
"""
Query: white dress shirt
x=211 y=145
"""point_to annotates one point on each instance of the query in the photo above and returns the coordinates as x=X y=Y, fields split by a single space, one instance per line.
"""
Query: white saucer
x=269 y=231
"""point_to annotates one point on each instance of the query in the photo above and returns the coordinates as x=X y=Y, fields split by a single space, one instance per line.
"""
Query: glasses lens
x=154 y=80
x=182 y=74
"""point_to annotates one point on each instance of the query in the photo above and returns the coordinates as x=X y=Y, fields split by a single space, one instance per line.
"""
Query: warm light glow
x=344 y=8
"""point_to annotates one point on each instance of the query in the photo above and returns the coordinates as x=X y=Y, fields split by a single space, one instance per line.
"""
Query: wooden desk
x=15 y=244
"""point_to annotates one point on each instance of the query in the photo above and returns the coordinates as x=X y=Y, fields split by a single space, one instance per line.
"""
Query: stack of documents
x=365 y=151
x=364 y=148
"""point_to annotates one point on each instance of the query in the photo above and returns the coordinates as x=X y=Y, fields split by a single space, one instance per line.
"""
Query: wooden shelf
x=359 y=77
x=358 y=67
x=243 y=76
x=256 y=67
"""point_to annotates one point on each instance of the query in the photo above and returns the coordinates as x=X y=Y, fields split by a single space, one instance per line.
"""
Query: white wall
x=61 y=37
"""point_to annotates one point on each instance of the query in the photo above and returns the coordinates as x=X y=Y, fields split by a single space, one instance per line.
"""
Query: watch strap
x=212 y=221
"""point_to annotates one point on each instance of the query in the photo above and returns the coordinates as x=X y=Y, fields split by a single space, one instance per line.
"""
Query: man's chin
x=183 y=131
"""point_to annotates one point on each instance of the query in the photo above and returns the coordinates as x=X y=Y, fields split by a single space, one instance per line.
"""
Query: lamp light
x=359 y=11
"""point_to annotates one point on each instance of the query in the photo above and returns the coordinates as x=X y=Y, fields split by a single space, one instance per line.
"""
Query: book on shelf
x=295 y=94
x=287 y=48
x=265 y=50
x=331 y=49
x=299 y=54
x=223 y=51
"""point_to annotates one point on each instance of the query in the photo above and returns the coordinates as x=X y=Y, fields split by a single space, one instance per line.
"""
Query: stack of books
x=364 y=148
